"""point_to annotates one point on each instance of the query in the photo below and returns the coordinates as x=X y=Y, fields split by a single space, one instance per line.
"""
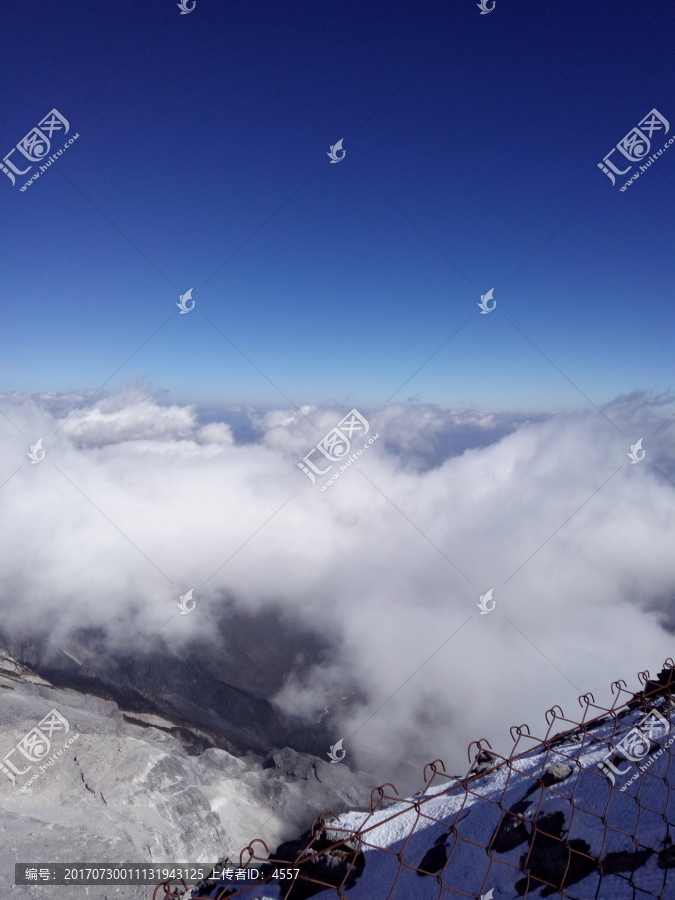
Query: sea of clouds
x=137 y=500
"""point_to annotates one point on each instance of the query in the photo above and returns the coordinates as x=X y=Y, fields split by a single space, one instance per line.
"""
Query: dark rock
x=665 y=682
x=663 y=685
x=553 y=775
x=338 y=866
x=511 y=831
x=435 y=858
x=666 y=858
x=556 y=773
x=553 y=862
x=625 y=861
x=484 y=761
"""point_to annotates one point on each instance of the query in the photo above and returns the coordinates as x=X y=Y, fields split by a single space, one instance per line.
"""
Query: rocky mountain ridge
x=122 y=786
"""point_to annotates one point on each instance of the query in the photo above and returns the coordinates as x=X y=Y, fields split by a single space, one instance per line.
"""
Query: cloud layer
x=137 y=501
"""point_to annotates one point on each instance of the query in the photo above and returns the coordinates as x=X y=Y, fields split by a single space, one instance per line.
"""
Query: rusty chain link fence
x=585 y=811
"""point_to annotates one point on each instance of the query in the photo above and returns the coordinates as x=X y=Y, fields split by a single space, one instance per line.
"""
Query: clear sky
x=472 y=143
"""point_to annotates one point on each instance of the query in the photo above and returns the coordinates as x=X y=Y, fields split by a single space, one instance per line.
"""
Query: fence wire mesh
x=584 y=812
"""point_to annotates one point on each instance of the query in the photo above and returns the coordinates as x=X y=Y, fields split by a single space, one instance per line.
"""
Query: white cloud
x=215 y=433
x=586 y=572
x=131 y=415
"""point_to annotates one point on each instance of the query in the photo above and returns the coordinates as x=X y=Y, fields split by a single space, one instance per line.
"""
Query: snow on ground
x=547 y=822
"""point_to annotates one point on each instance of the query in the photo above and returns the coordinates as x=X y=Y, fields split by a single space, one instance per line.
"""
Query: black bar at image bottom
x=137 y=873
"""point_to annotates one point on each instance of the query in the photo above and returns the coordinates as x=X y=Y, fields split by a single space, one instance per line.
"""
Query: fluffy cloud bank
x=137 y=501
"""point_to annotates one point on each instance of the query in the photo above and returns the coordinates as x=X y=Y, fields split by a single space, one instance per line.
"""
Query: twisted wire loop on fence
x=170 y=890
x=585 y=812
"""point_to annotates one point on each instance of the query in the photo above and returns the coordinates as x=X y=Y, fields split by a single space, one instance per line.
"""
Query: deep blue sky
x=483 y=131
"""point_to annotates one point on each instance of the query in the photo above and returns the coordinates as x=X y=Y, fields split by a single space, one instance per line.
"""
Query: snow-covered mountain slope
x=588 y=814
x=118 y=787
